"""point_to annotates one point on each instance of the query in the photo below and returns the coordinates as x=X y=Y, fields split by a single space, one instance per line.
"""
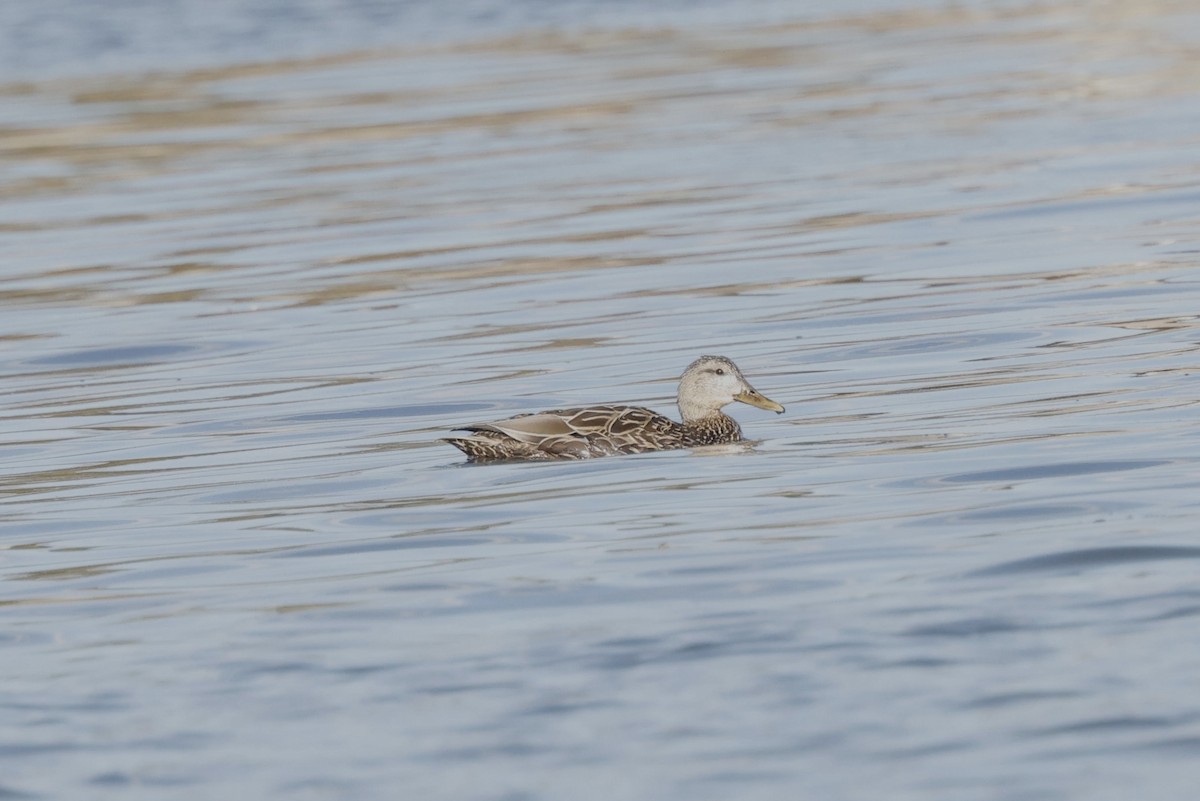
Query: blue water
x=77 y=37
x=244 y=295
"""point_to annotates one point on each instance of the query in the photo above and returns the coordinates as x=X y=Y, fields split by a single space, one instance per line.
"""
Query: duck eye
x=720 y=371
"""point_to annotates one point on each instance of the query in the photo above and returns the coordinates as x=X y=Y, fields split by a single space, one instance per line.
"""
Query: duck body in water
x=708 y=385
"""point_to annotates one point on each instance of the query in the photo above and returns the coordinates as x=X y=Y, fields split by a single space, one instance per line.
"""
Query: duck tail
x=486 y=449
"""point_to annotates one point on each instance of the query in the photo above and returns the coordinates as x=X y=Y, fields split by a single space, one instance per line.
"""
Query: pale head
x=712 y=382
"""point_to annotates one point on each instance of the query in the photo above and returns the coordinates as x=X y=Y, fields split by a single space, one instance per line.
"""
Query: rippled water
x=241 y=304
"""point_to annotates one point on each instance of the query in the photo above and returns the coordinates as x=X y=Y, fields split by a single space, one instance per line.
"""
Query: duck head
x=713 y=382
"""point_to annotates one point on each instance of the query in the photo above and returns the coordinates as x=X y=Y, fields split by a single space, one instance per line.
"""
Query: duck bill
x=755 y=398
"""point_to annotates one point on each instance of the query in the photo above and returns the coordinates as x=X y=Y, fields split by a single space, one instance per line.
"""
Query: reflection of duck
x=708 y=384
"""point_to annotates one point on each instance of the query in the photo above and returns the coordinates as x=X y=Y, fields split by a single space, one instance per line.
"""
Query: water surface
x=242 y=302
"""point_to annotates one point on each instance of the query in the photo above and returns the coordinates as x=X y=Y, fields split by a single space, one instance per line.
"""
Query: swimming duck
x=706 y=386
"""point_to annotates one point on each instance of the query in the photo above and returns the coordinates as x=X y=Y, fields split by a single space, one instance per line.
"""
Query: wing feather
x=579 y=433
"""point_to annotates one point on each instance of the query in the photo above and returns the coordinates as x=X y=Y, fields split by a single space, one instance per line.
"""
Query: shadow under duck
x=708 y=384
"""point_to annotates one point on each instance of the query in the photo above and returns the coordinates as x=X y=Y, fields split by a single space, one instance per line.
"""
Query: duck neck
x=711 y=429
x=692 y=412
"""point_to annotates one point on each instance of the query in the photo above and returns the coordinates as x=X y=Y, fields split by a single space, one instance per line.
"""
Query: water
x=241 y=303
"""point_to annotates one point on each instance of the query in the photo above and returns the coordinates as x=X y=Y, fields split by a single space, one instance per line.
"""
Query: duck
x=707 y=386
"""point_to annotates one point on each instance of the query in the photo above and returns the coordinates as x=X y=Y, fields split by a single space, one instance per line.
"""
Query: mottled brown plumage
x=708 y=384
